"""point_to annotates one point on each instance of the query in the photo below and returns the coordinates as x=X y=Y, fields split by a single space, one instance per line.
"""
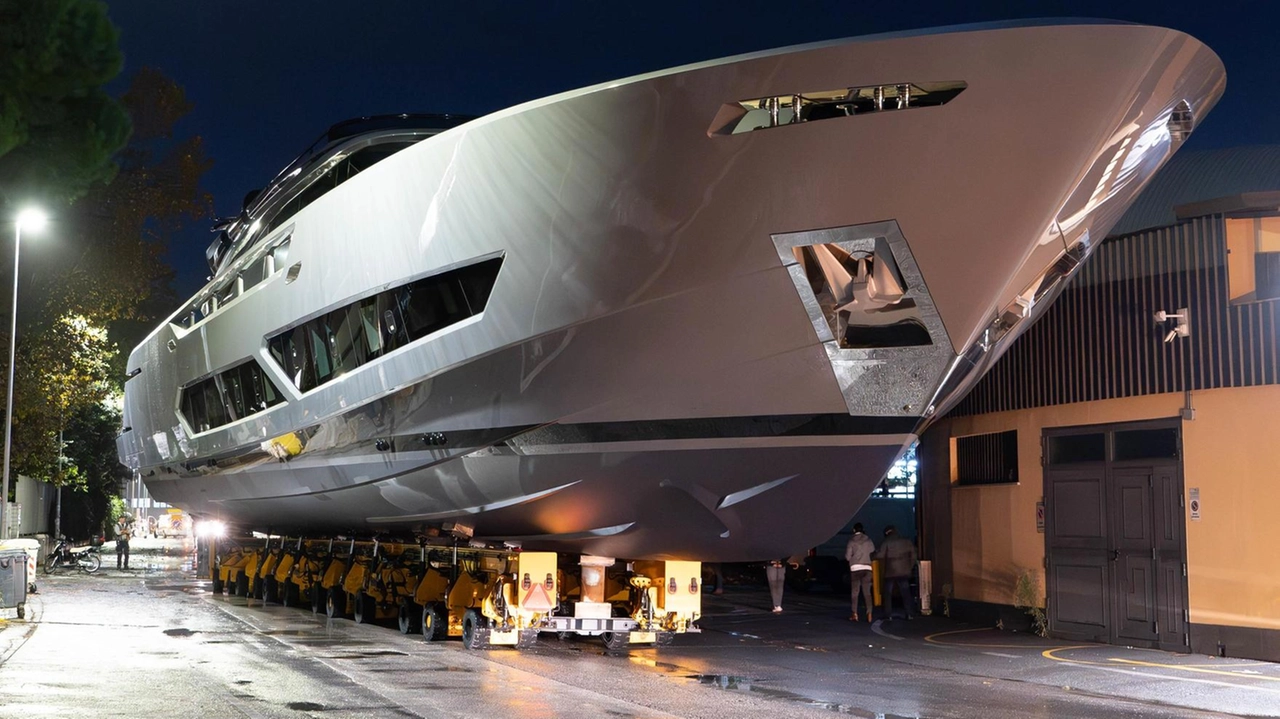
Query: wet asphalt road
x=155 y=642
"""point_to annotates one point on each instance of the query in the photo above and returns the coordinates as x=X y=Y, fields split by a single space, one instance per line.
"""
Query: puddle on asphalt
x=171 y=588
x=179 y=632
x=729 y=682
x=667 y=667
x=306 y=706
x=367 y=655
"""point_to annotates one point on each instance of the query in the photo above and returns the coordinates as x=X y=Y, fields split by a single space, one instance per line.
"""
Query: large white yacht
x=692 y=314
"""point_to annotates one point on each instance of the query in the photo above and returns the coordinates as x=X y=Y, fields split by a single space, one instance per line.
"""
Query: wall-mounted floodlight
x=1182 y=329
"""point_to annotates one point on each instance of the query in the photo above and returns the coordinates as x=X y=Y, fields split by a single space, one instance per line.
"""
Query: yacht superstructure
x=692 y=314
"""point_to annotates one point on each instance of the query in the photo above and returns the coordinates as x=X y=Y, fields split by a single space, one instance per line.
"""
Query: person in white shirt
x=858 y=553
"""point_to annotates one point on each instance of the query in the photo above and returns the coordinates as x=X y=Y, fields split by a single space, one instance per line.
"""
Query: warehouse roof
x=1203 y=180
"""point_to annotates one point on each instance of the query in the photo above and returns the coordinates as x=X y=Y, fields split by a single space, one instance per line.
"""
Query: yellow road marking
x=1222 y=666
x=1049 y=654
x=1184 y=667
x=934 y=639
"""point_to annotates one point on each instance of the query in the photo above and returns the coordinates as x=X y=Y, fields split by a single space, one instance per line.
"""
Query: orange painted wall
x=1231 y=453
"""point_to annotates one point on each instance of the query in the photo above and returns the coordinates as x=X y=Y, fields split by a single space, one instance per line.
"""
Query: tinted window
x=344 y=170
x=1146 y=444
x=228 y=396
x=318 y=351
x=1069 y=448
x=346 y=343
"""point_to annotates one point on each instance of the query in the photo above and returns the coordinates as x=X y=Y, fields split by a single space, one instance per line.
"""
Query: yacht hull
x=658 y=369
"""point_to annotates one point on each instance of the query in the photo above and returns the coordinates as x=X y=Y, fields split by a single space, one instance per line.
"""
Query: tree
x=87 y=510
x=58 y=127
x=67 y=370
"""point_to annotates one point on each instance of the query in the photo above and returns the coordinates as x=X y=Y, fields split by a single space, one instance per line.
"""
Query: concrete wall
x=1231 y=453
x=36 y=498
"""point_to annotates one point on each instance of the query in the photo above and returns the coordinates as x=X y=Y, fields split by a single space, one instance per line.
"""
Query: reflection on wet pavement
x=268 y=661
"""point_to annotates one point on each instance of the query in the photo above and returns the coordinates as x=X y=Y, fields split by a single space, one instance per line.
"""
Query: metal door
x=1171 y=567
x=1078 y=569
x=1114 y=535
x=1132 y=557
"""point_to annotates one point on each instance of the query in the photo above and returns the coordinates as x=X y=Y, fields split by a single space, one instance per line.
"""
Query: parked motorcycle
x=86 y=560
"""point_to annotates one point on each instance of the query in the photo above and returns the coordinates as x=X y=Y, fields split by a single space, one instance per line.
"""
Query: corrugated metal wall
x=1100 y=340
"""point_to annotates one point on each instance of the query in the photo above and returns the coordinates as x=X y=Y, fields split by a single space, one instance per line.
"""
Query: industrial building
x=1124 y=453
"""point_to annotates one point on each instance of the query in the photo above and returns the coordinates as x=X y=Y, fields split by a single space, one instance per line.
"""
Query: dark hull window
x=228 y=396
x=347 y=337
x=905 y=333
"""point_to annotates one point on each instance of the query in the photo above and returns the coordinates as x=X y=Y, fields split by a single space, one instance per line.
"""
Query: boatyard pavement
x=153 y=641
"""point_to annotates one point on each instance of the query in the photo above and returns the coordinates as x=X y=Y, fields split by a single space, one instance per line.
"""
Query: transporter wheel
x=318 y=597
x=270 y=590
x=257 y=587
x=242 y=584
x=663 y=639
x=435 y=622
x=473 y=626
x=290 y=597
x=366 y=609
x=335 y=606
x=408 y=617
x=527 y=639
x=617 y=641
x=217 y=583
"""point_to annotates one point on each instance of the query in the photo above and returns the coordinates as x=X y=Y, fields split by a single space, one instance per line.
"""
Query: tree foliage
x=90 y=505
x=114 y=271
x=58 y=127
x=65 y=372
x=105 y=285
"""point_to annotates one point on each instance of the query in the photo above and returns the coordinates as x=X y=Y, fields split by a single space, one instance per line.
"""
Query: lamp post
x=33 y=219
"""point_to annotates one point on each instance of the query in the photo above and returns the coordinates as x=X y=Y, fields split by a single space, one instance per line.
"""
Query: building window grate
x=987 y=458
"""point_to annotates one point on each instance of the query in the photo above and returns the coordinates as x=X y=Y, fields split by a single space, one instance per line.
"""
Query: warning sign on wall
x=1195 y=504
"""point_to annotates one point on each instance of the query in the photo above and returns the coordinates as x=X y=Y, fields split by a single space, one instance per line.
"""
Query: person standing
x=777 y=575
x=858 y=553
x=717 y=571
x=124 y=532
x=899 y=556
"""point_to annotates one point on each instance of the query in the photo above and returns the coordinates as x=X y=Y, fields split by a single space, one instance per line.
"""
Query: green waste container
x=13 y=581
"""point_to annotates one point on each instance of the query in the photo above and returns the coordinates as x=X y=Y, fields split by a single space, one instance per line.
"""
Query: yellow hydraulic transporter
x=487 y=596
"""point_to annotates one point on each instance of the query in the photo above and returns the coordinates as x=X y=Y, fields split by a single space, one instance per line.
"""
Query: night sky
x=266 y=78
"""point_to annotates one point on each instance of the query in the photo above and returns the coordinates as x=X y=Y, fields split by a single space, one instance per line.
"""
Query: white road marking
x=875 y=627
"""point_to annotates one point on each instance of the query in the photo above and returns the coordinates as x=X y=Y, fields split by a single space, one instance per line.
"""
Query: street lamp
x=34 y=220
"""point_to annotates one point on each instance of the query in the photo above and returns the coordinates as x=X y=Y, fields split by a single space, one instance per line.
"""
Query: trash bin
x=32 y=548
x=13 y=581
